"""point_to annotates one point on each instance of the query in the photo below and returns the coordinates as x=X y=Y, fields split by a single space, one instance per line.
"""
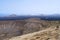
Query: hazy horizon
x=29 y=7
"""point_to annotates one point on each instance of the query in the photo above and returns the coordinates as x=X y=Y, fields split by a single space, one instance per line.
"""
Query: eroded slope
x=51 y=33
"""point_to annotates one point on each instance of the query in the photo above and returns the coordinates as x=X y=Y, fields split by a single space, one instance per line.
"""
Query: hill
x=13 y=28
x=51 y=33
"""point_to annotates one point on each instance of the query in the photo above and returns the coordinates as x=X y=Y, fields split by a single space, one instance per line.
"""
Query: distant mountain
x=55 y=15
x=43 y=17
x=52 y=17
x=13 y=15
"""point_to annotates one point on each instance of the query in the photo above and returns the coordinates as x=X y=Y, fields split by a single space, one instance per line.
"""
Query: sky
x=29 y=7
